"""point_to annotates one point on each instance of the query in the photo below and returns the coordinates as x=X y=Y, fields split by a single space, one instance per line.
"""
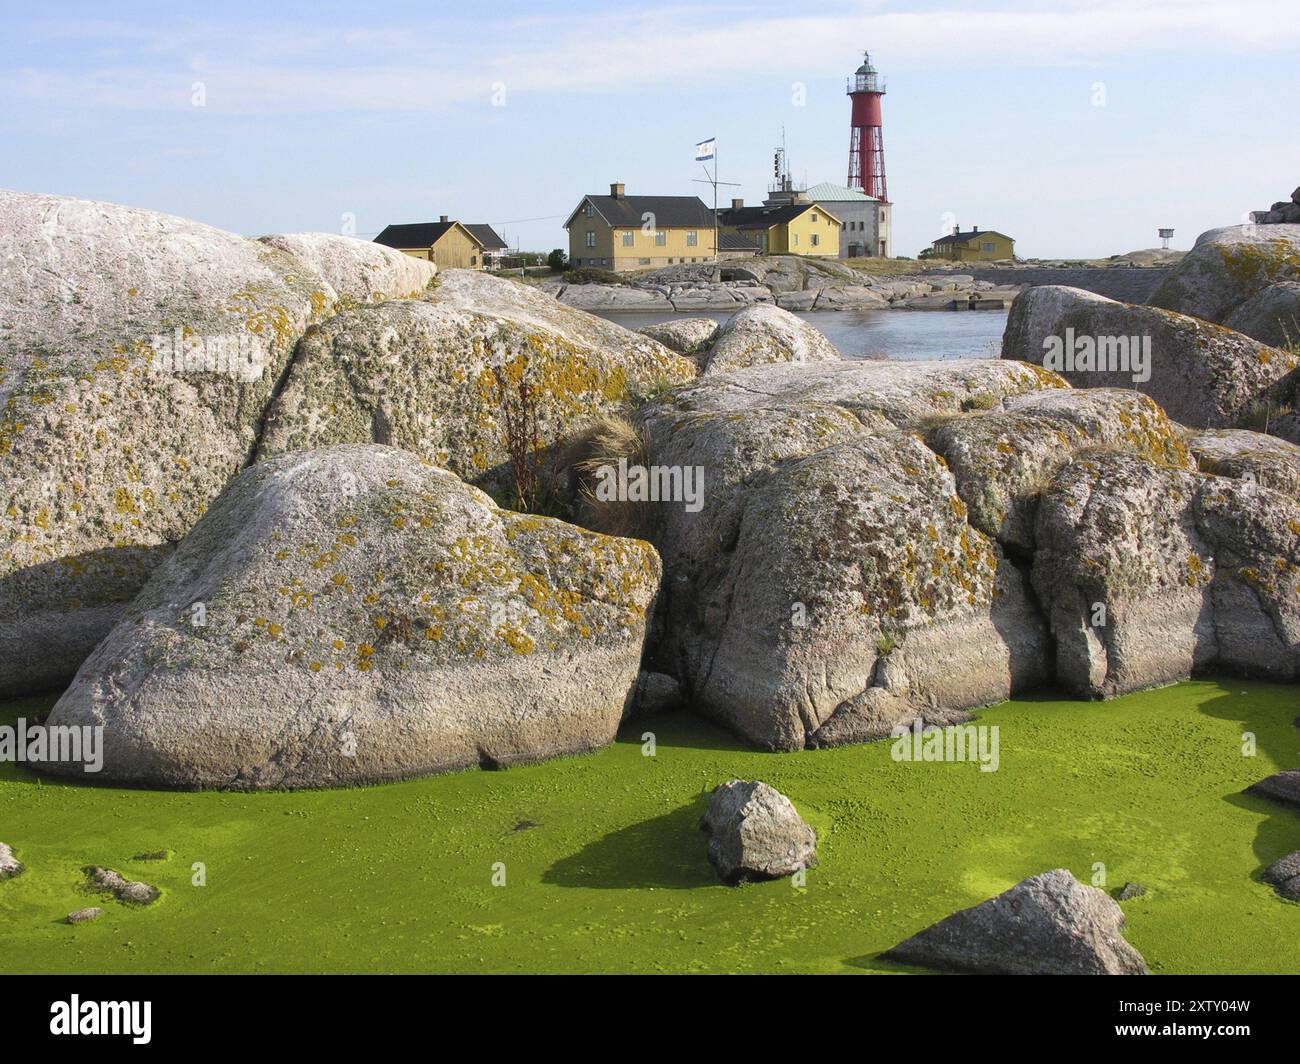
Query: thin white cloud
x=430 y=66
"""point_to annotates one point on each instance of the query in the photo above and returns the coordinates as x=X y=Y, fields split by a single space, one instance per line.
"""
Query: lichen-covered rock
x=82 y=916
x=1048 y=924
x=438 y=376
x=359 y=271
x=831 y=584
x=1003 y=460
x=1201 y=374
x=1150 y=572
x=137 y=353
x=686 y=336
x=352 y=615
x=126 y=890
x=756 y=833
x=1229 y=266
x=764 y=333
x=10 y=866
x=1284 y=876
x=858 y=596
x=1271 y=315
x=879 y=395
x=1254 y=532
x=1281 y=787
x=1251 y=456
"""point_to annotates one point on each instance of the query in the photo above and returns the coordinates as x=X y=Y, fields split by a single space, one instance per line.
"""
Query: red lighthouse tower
x=866 y=140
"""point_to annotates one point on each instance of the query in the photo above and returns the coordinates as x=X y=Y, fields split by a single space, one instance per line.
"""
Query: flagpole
x=712 y=179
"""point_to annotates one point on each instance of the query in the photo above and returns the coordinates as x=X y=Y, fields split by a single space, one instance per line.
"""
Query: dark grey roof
x=416 y=234
x=670 y=212
x=961 y=238
x=735 y=242
x=486 y=235
x=764 y=217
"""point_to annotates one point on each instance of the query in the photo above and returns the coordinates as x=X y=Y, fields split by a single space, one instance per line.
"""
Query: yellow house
x=784 y=228
x=622 y=232
x=449 y=244
x=974 y=246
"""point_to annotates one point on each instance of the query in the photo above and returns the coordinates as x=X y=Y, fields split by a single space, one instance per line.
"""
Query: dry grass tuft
x=602 y=445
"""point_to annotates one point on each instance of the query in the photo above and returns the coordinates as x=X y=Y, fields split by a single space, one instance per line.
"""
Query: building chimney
x=616 y=190
x=736 y=204
x=975 y=229
x=442 y=218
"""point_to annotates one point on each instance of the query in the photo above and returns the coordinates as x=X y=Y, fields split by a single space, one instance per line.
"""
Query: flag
x=706 y=149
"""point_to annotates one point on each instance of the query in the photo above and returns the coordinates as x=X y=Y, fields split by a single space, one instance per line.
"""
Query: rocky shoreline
x=266 y=557
x=804 y=284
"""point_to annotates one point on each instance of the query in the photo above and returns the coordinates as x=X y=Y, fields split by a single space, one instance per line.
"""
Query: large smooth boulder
x=1151 y=573
x=686 y=336
x=359 y=271
x=1229 y=266
x=1252 y=456
x=441 y=376
x=1002 y=460
x=1271 y=316
x=756 y=833
x=137 y=354
x=1201 y=374
x=831 y=585
x=1048 y=924
x=877 y=395
x=353 y=614
x=764 y=333
x=1125 y=574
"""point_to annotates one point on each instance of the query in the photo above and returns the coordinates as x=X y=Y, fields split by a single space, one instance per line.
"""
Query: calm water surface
x=897 y=334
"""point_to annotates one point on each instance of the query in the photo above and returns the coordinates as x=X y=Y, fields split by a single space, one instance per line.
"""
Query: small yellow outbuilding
x=974 y=246
x=449 y=244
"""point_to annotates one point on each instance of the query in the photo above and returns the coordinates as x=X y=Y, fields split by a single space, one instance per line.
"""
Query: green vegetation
x=605 y=870
x=595 y=275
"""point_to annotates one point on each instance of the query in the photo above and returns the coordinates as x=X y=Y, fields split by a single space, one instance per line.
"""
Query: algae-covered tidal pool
x=605 y=871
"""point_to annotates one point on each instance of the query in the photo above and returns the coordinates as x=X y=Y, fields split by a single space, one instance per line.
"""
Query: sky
x=1075 y=127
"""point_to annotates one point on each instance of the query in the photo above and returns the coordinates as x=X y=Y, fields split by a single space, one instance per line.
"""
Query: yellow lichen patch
x=519 y=641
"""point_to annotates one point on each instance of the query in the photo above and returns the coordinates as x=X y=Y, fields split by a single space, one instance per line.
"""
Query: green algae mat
x=595 y=864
